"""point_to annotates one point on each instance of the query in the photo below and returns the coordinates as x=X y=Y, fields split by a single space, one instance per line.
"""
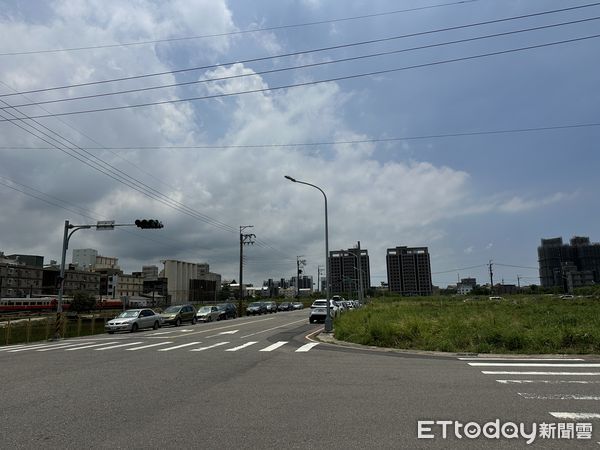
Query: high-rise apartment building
x=409 y=271
x=343 y=270
x=569 y=265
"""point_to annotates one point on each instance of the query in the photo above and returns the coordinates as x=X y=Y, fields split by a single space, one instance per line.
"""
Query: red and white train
x=48 y=303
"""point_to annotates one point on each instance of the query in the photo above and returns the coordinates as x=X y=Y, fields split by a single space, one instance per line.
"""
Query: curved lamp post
x=328 y=322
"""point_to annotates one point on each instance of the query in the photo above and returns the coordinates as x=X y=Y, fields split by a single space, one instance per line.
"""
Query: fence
x=33 y=329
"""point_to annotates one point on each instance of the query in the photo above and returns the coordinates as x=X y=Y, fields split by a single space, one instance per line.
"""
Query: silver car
x=208 y=314
x=133 y=319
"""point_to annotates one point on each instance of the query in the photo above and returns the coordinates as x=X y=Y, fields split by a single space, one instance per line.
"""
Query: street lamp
x=100 y=225
x=328 y=323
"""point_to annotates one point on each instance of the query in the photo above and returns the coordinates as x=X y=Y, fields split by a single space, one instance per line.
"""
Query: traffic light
x=148 y=223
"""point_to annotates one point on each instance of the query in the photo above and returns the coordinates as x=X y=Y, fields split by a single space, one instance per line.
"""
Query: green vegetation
x=516 y=324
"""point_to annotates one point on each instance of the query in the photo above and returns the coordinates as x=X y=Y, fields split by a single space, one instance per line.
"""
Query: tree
x=82 y=301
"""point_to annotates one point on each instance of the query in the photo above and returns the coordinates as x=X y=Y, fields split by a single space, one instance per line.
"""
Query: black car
x=285 y=306
x=228 y=311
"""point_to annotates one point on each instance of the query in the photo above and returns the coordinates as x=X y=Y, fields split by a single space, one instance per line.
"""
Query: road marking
x=223 y=332
x=575 y=416
x=185 y=330
x=272 y=347
x=31 y=347
x=534 y=365
x=532 y=396
x=218 y=344
x=13 y=347
x=178 y=346
x=307 y=347
x=547 y=382
x=576 y=374
x=89 y=346
x=520 y=359
x=160 y=333
x=274 y=328
x=57 y=347
x=247 y=344
x=117 y=346
x=148 y=346
x=238 y=323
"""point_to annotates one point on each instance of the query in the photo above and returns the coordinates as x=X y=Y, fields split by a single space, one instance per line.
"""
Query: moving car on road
x=175 y=315
x=208 y=314
x=134 y=319
x=318 y=310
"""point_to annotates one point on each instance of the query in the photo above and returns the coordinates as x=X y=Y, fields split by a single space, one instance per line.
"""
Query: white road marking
x=160 y=333
x=575 y=416
x=532 y=396
x=247 y=344
x=117 y=346
x=185 y=330
x=89 y=346
x=272 y=347
x=520 y=359
x=148 y=346
x=587 y=365
x=547 y=382
x=218 y=344
x=223 y=332
x=32 y=347
x=274 y=328
x=57 y=347
x=178 y=346
x=307 y=347
x=576 y=374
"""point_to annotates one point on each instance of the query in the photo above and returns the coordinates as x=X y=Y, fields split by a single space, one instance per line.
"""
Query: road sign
x=105 y=225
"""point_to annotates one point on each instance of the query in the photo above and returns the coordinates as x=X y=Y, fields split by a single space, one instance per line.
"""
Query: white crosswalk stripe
x=89 y=346
x=554 y=369
x=201 y=349
x=117 y=346
x=178 y=346
x=270 y=348
x=307 y=347
x=239 y=347
x=32 y=347
x=149 y=346
x=58 y=347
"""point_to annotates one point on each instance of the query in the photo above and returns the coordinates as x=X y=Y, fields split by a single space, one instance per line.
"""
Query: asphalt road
x=259 y=382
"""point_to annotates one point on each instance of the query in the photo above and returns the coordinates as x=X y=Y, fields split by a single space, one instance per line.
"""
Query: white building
x=84 y=258
x=179 y=274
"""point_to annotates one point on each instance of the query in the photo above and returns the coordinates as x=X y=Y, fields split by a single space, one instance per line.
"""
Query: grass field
x=531 y=325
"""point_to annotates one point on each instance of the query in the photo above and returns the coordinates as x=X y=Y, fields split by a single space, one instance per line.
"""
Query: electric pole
x=491 y=277
x=299 y=262
x=245 y=239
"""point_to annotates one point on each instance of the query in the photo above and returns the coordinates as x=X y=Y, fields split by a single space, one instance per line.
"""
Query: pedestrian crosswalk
x=562 y=381
x=162 y=346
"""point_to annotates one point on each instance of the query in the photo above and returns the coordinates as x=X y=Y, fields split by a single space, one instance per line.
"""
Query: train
x=49 y=303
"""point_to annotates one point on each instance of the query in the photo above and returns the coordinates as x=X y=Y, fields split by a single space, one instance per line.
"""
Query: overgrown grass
x=533 y=325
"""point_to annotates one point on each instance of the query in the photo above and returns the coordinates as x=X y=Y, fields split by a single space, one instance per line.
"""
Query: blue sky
x=469 y=198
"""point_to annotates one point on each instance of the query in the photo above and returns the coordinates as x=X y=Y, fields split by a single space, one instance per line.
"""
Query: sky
x=475 y=149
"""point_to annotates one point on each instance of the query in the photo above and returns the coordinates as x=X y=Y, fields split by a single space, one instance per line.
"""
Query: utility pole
x=491 y=277
x=245 y=239
x=361 y=294
x=299 y=262
x=319 y=271
x=519 y=282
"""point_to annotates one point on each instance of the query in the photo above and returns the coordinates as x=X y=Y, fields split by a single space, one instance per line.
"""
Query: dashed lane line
x=520 y=359
x=585 y=365
x=547 y=382
x=574 y=374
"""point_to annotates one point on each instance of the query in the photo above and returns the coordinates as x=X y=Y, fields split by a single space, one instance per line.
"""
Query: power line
x=308 y=83
x=232 y=33
x=518 y=267
x=322 y=49
x=297 y=67
x=456 y=270
x=325 y=143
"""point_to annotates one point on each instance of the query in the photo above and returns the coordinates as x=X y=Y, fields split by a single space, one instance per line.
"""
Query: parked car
x=285 y=306
x=318 y=310
x=297 y=305
x=175 y=315
x=208 y=314
x=134 y=319
x=271 y=306
x=227 y=310
x=255 y=308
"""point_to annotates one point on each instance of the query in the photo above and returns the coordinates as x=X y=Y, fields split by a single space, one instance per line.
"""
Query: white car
x=134 y=319
x=318 y=310
x=208 y=314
